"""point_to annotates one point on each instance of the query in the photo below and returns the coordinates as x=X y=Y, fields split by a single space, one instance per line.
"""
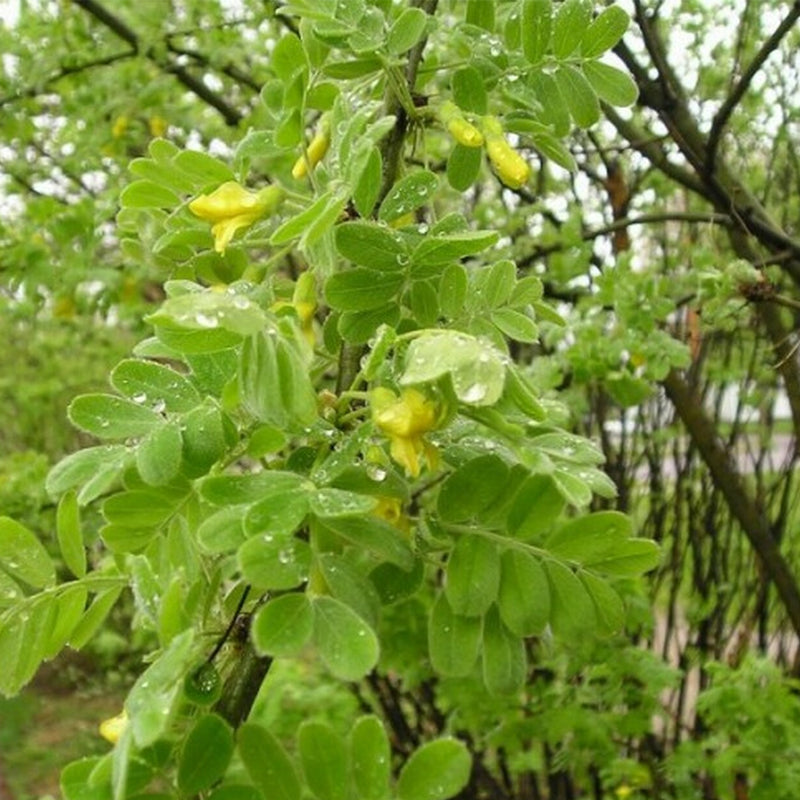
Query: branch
x=726 y=477
x=620 y=224
x=726 y=109
x=229 y=69
x=65 y=72
x=231 y=115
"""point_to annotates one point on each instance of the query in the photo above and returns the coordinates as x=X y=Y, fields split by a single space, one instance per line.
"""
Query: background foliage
x=637 y=289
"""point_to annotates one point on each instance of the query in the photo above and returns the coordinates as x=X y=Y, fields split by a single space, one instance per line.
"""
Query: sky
x=9 y=11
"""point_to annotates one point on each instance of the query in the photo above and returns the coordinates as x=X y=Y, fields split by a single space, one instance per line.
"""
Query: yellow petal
x=405 y=452
x=111 y=729
x=226 y=201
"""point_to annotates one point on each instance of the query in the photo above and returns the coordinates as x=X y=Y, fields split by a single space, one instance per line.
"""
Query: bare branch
x=726 y=109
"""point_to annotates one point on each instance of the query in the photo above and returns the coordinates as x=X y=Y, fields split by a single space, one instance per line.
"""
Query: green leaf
x=10 y=591
x=633 y=557
x=515 y=324
x=326 y=503
x=373 y=246
x=23 y=556
x=93 y=617
x=267 y=763
x=607 y=604
x=70 y=605
x=68 y=532
x=110 y=417
x=222 y=532
x=147 y=194
x=283 y=626
x=406 y=31
x=347 y=583
x=469 y=91
x=274 y=382
x=274 y=562
x=370 y=758
x=368 y=185
x=571 y=22
x=24 y=638
x=228 y=791
x=578 y=95
x=380 y=347
x=572 y=611
x=554 y=110
x=613 y=85
x=535 y=507
x=97 y=467
x=277 y=514
x=591 y=537
x=438 y=250
x=203 y=439
x=436 y=771
x=407 y=195
x=504 y=661
x=154 y=385
x=524 y=597
x=480 y=13
x=423 y=302
x=463 y=166
x=361 y=289
x=225 y=490
x=347 y=645
x=394 y=584
x=325 y=220
x=358 y=327
x=473 y=575
x=453 y=290
x=76 y=784
x=158 y=456
x=472 y=488
x=476 y=369
x=453 y=639
x=296 y=225
x=205 y=169
x=323 y=754
x=352 y=68
x=211 y=312
x=569 y=447
x=604 y=32
x=152 y=697
x=537 y=24
x=205 y=755
x=376 y=536
x=139 y=508
x=576 y=490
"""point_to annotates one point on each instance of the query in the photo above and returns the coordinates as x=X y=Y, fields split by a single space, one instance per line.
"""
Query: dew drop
x=139 y=397
x=474 y=393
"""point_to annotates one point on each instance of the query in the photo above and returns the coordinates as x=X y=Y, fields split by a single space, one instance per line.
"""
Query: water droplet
x=206 y=320
x=159 y=406
x=402 y=259
x=376 y=473
x=139 y=397
x=240 y=301
x=284 y=556
x=423 y=228
x=474 y=393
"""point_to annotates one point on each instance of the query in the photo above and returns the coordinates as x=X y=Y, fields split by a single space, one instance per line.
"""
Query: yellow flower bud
x=158 y=126
x=315 y=151
x=465 y=133
x=512 y=169
x=120 y=126
x=404 y=420
x=111 y=729
x=231 y=207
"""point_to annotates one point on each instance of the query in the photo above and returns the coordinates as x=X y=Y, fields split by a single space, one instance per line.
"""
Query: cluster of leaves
x=245 y=464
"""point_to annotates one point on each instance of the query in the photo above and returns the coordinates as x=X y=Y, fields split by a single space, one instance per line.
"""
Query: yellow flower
x=404 y=420
x=623 y=791
x=119 y=127
x=314 y=153
x=111 y=729
x=465 y=133
x=512 y=169
x=390 y=509
x=231 y=207
x=158 y=125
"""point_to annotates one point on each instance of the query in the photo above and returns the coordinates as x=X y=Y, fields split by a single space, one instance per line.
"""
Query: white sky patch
x=9 y=12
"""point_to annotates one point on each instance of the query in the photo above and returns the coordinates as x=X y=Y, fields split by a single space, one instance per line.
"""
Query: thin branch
x=65 y=72
x=229 y=69
x=231 y=115
x=737 y=93
x=710 y=218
